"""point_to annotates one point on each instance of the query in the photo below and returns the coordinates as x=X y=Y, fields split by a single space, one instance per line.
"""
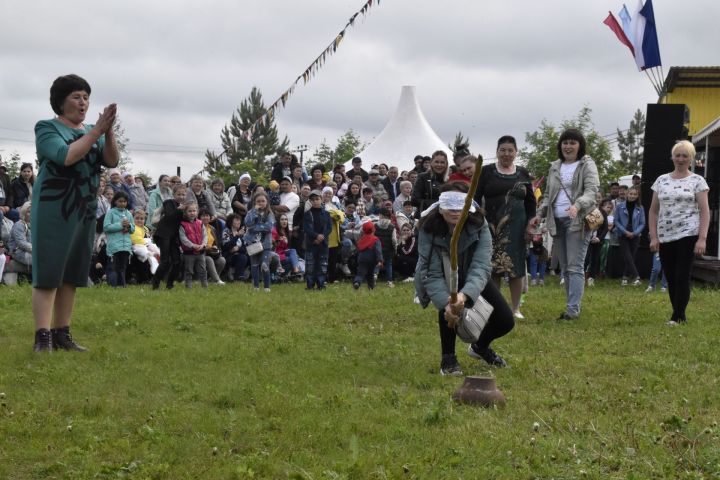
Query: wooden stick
x=455 y=239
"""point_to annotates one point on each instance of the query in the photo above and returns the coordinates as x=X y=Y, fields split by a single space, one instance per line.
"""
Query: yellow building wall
x=704 y=105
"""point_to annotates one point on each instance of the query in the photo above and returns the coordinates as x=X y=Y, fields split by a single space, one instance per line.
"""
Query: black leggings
x=169 y=260
x=677 y=259
x=628 y=248
x=500 y=323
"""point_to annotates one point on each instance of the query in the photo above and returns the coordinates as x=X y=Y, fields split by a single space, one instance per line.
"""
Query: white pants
x=148 y=253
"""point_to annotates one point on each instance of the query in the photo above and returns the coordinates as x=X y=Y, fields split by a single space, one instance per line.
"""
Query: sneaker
x=562 y=281
x=541 y=282
x=637 y=282
x=518 y=315
x=663 y=289
x=450 y=366
x=391 y=285
x=672 y=323
x=43 y=341
x=409 y=280
x=488 y=355
x=566 y=316
x=62 y=340
x=345 y=270
x=267 y=290
x=591 y=282
x=533 y=281
x=356 y=285
x=649 y=289
x=624 y=282
x=220 y=282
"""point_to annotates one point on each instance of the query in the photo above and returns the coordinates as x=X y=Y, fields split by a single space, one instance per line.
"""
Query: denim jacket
x=258 y=228
x=621 y=219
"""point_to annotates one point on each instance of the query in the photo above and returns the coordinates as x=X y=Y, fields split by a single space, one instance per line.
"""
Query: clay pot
x=479 y=391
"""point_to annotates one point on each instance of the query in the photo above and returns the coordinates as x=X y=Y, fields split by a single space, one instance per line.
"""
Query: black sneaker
x=356 y=285
x=565 y=316
x=450 y=366
x=488 y=355
x=62 y=340
x=43 y=341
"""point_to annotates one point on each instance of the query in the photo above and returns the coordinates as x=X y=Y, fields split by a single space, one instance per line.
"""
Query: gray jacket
x=584 y=188
x=474 y=252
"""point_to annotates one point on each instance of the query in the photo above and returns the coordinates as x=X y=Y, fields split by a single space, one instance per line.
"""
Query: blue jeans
x=571 y=248
x=116 y=267
x=316 y=265
x=388 y=266
x=656 y=270
x=260 y=263
x=537 y=269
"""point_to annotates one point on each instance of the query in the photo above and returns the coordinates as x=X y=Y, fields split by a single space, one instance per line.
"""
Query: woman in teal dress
x=509 y=206
x=64 y=201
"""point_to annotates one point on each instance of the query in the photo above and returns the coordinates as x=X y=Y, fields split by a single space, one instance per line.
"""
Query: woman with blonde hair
x=678 y=221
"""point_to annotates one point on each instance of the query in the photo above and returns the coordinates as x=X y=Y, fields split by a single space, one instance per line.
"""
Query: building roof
x=692 y=77
x=707 y=132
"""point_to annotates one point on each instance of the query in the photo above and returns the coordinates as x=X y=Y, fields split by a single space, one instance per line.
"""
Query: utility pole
x=300 y=149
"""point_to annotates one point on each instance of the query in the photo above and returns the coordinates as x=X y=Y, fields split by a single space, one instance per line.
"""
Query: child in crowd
x=656 y=271
x=118 y=226
x=167 y=237
x=387 y=234
x=406 y=216
x=193 y=239
x=317 y=225
x=288 y=256
x=406 y=255
x=214 y=261
x=232 y=246
x=274 y=193
x=142 y=246
x=370 y=256
x=538 y=255
x=259 y=222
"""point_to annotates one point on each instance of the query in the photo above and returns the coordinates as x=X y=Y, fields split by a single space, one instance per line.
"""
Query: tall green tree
x=125 y=162
x=260 y=149
x=348 y=145
x=631 y=143
x=12 y=163
x=541 y=147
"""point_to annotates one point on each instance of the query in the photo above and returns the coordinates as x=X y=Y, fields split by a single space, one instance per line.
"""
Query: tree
x=461 y=142
x=12 y=164
x=259 y=148
x=348 y=145
x=631 y=144
x=125 y=162
x=542 y=147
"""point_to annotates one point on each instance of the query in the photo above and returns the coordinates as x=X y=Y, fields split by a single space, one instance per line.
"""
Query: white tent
x=407 y=134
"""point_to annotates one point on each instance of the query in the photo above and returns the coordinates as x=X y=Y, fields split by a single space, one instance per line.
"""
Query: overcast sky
x=179 y=69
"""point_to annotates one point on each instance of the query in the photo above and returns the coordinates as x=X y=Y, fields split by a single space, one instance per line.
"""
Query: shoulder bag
x=592 y=220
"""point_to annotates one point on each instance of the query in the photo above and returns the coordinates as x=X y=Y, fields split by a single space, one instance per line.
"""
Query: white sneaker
x=267 y=290
x=220 y=282
x=562 y=281
x=663 y=289
x=409 y=280
x=591 y=282
x=637 y=282
x=518 y=315
x=533 y=281
x=624 y=282
x=649 y=289
x=345 y=270
x=391 y=285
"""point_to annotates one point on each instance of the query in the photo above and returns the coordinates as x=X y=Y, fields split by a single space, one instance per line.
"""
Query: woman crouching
x=474 y=253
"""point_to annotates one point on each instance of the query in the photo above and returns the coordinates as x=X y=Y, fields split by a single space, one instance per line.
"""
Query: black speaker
x=664 y=125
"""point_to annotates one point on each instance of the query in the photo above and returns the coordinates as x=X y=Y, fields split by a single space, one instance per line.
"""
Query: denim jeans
x=571 y=248
x=260 y=266
x=537 y=269
x=316 y=265
x=656 y=271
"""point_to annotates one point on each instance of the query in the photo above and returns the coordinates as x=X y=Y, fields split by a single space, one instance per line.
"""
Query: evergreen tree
x=324 y=154
x=631 y=144
x=13 y=164
x=542 y=147
x=125 y=162
x=259 y=149
x=348 y=145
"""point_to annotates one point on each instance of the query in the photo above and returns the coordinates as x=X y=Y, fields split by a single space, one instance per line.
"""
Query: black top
x=169 y=224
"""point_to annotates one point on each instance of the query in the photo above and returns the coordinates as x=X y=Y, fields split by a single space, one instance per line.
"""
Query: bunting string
x=310 y=71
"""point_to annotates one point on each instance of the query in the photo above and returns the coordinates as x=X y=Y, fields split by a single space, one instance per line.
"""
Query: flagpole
x=652 y=82
x=656 y=72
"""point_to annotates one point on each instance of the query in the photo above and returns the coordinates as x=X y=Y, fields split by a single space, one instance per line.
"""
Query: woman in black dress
x=509 y=206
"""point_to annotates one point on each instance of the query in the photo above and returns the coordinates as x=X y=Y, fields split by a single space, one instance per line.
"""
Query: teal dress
x=64 y=201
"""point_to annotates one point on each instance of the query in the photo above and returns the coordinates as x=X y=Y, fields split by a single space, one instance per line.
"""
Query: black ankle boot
x=62 y=340
x=43 y=340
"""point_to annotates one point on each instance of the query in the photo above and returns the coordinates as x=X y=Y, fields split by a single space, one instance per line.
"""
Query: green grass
x=228 y=383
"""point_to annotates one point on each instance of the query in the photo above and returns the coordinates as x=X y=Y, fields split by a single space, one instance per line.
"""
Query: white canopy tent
x=407 y=134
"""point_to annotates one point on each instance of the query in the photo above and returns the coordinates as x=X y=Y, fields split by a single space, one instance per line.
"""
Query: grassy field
x=231 y=384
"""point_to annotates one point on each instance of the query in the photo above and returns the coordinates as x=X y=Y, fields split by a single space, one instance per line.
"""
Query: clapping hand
x=106 y=120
